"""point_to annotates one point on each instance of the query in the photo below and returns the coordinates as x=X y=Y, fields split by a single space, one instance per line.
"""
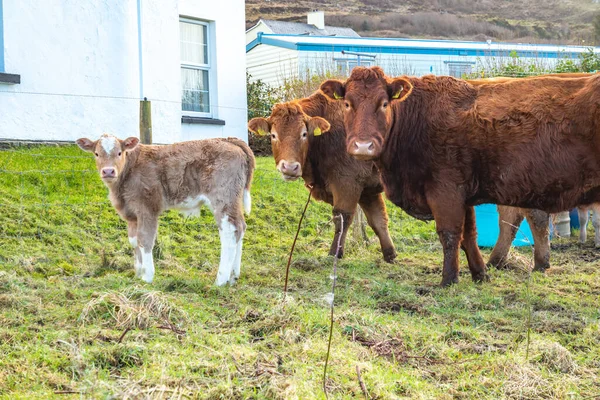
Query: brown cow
x=511 y=217
x=143 y=181
x=301 y=148
x=443 y=145
x=509 y=220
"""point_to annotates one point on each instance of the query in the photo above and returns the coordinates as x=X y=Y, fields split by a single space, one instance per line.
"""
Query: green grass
x=68 y=294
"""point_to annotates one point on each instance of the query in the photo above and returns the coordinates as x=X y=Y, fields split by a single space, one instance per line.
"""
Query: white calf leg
x=137 y=256
x=228 y=251
x=237 y=265
x=583 y=220
x=147 y=270
x=596 y=223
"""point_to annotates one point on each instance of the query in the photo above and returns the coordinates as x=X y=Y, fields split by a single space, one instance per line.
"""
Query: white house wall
x=272 y=65
x=229 y=100
x=79 y=69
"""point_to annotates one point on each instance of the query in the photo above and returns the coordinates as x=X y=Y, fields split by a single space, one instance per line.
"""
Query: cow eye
x=385 y=104
x=96 y=154
x=303 y=134
x=347 y=105
x=273 y=136
x=119 y=154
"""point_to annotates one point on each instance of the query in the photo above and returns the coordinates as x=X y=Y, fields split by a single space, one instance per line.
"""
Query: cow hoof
x=503 y=264
x=449 y=282
x=481 y=277
x=233 y=280
x=389 y=255
x=541 y=268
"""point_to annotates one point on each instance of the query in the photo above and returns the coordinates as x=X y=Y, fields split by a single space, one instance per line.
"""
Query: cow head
x=290 y=130
x=110 y=154
x=367 y=95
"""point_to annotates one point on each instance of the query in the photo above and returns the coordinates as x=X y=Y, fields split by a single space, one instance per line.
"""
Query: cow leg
x=583 y=214
x=230 y=235
x=449 y=222
x=347 y=218
x=240 y=225
x=509 y=219
x=146 y=237
x=469 y=246
x=374 y=208
x=345 y=200
x=137 y=254
x=539 y=222
x=596 y=223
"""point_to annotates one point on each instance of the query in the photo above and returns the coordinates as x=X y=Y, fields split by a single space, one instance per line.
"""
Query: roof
x=415 y=46
x=299 y=28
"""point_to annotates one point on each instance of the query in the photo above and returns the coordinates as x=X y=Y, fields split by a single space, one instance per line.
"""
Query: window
x=345 y=65
x=458 y=69
x=195 y=67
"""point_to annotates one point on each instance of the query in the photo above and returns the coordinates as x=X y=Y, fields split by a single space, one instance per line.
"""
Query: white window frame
x=203 y=67
x=466 y=65
x=363 y=62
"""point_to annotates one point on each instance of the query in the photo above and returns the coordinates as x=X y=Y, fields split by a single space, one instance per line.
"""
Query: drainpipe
x=145 y=105
x=140 y=56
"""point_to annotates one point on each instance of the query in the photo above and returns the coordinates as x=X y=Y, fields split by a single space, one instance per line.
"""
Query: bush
x=514 y=66
x=261 y=99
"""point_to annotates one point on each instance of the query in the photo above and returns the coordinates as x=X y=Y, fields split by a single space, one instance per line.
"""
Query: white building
x=273 y=58
x=79 y=68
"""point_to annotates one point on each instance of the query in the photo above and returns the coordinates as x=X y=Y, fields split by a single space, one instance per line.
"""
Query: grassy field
x=75 y=323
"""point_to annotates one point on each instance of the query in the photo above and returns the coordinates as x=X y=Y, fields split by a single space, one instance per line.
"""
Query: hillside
x=557 y=21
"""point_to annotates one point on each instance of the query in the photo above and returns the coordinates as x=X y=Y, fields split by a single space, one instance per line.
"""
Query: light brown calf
x=584 y=212
x=143 y=181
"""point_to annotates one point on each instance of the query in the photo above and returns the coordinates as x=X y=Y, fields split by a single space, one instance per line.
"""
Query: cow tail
x=250 y=166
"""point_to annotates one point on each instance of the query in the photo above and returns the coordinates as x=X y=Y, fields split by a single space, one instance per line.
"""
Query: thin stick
x=123 y=334
x=287 y=268
x=527 y=288
x=362 y=384
x=335 y=260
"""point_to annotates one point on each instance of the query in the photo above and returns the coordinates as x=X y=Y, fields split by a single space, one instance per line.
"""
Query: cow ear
x=399 y=89
x=86 y=144
x=259 y=126
x=334 y=89
x=317 y=126
x=130 y=143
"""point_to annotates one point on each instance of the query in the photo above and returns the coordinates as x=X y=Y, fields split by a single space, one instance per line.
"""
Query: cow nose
x=108 y=172
x=363 y=148
x=290 y=168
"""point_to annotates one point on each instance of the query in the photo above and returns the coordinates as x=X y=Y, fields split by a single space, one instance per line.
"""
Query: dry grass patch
x=133 y=309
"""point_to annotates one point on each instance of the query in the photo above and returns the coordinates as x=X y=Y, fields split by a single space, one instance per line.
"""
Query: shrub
x=261 y=99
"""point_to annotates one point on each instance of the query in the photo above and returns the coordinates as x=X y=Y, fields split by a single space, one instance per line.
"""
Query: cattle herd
x=436 y=146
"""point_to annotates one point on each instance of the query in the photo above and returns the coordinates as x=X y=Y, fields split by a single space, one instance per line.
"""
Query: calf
x=301 y=148
x=444 y=145
x=584 y=212
x=143 y=181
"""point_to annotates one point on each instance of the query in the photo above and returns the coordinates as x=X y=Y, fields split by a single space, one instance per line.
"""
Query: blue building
x=274 y=58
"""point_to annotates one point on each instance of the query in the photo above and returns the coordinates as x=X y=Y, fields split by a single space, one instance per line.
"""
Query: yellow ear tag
x=317 y=131
x=261 y=132
x=397 y=95
x=336 y=96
